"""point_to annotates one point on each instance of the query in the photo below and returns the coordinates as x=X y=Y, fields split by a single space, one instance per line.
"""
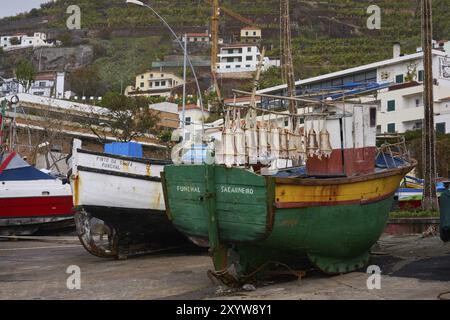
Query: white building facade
x=240 y=58
x=22 y=40
x=401 y=102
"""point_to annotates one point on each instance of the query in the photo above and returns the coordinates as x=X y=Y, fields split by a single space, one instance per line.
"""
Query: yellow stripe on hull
x=364 y=191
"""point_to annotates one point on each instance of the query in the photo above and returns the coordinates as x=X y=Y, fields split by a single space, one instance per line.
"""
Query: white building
x=237 y=58
x=401 y=104
x=22 y=40
x=155 y=83
x=197 y=38
x=50 y=84
x=9 y=86
x=251 y=34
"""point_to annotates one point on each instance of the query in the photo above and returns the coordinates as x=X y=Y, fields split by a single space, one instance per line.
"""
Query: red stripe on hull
x=35 y=207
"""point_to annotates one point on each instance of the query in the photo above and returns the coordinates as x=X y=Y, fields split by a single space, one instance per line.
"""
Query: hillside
x=328 y=35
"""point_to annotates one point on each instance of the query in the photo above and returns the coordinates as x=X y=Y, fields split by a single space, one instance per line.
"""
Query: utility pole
x=215 y=47
x=183 y=117
x=288 y=62
x=430 y=202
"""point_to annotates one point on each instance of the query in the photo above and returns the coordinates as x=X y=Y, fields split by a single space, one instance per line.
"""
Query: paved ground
x=412 y=268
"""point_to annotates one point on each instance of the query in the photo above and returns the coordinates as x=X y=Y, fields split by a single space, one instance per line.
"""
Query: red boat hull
x=36 y=207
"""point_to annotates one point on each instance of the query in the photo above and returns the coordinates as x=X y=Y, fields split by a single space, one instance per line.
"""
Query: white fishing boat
x=119 y=203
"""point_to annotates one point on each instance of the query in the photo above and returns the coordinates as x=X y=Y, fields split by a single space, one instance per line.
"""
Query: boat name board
x=188 y=189
x=240 y=190
x=111 y=163
x=222 y=189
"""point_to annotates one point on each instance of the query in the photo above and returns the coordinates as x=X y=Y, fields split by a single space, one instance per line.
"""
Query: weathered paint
x=76 y=190
x=347 y=162
x=329 y=195
x=264 y=218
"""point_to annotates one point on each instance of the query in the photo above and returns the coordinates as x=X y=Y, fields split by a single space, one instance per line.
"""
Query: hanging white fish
x=263 y=152
x=239 y=140
x=292 y=142
x=283 y=144
x=228 y=141
x=324 y=142
x=274 y=141
x=251 y=138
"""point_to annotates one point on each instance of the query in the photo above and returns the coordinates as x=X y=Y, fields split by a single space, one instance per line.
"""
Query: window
x=246 y=33
x=378 y=129
x=248 y=66
x=163 y=83
x=195 y=39
x=238 y=66
x=373 y=117
x=228 y=67
x=391 y=106
x=391 y=128
x=142 y=84
x=151 y=75
x=286 y=123
x=254 y=33
x=142 y=77
x=249 y=49
x=249 y=58
x=440 y=128
x=421 y=76
x=188 y=121
x=399 y=78
x=157 y=84
x=41 y=84
x=162 y=75
x=417 y=103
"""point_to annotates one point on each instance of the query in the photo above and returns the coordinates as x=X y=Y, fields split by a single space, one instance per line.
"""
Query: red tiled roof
x=251 y=28
x=197 y=35
x=189 y=107
x=46 y=76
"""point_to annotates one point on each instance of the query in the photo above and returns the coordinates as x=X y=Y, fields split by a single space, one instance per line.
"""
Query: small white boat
x=31 y=200
x=119 y=204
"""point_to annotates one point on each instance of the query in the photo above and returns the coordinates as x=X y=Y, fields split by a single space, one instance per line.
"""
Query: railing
x=393 y=153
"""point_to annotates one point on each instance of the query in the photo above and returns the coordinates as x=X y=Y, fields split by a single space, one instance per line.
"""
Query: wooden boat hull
x=30 y=200
x=332 y=222
x=119 y=204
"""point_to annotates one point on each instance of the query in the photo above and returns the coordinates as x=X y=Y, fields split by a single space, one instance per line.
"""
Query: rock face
x=66 y=59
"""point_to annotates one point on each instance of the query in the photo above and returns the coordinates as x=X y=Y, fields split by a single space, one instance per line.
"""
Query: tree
x=14 y=41
x=128 y=118
x=86 y=81
x=26 y=74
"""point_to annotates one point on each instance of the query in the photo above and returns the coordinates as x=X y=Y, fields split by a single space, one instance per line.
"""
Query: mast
x=288 y=63
x=430 y=202
x=215 y=46
x=2 y=121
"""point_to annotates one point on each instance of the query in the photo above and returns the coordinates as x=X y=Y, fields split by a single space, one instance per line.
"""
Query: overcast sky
x=13 y=7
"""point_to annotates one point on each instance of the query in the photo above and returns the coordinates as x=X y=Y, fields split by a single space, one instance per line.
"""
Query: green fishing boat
x=329 y=212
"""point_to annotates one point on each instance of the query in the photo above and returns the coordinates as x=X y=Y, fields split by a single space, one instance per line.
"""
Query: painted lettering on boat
x=188 y=189
x=111 y=163
x=240 y=190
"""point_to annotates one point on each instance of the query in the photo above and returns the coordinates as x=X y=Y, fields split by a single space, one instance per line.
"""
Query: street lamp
x=141 y=4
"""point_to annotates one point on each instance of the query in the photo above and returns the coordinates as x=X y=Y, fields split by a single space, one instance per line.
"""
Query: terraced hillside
x=329 y=35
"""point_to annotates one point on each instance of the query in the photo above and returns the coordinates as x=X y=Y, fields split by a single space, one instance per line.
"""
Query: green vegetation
x=129 y=118
x=413 y=214
x=328 y=36
x=414 y=142
x=26 y=73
